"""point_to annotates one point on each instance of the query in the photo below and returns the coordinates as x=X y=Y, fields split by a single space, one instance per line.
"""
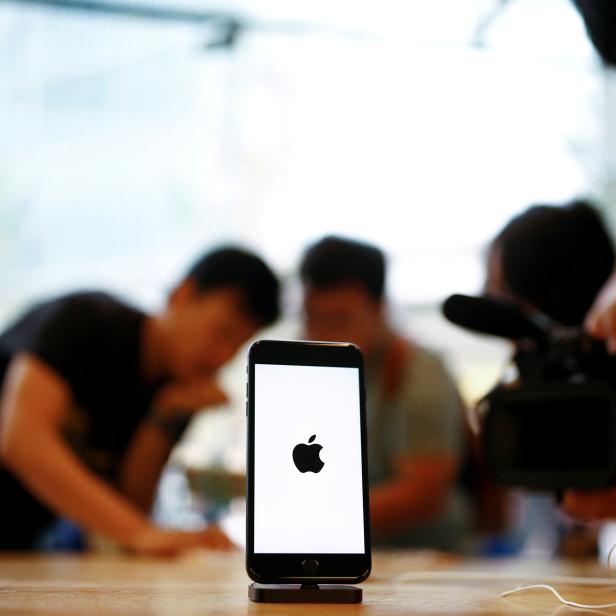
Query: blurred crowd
x=96 y=392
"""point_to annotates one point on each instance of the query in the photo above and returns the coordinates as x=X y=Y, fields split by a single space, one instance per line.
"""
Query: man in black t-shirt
x=95 y=393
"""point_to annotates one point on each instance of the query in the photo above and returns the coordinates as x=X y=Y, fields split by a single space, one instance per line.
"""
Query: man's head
x=552 y=259
x=344 y=283
x=226 y=296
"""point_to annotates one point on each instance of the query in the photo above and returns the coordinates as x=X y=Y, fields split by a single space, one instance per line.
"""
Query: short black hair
x=557 y=258
x=336 y=260
x=231 y=266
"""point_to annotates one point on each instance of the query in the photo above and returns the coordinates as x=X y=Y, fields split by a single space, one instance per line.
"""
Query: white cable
x=564 y=601
x=508 y=575
x=503 y=576
x=609 y=556
x=584 y=606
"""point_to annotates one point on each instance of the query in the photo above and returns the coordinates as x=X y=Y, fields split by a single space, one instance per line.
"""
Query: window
x=127 y=145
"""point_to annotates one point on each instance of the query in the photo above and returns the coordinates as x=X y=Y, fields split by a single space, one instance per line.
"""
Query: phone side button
x=310 y=566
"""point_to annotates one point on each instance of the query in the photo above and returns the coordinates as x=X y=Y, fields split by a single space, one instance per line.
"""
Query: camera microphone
x=494 y=317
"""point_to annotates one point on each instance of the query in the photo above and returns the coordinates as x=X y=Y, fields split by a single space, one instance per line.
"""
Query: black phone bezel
x=291 y=568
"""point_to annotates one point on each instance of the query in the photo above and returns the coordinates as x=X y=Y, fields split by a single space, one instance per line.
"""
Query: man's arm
x=153 y=441
x=34 y=404
x=143 y=464
x=413 y=494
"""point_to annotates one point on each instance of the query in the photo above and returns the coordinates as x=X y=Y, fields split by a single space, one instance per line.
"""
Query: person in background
x=414 y=412
x=554 y=260
x=95 y=393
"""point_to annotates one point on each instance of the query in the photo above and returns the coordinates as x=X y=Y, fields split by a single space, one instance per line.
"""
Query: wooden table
x=207 y=583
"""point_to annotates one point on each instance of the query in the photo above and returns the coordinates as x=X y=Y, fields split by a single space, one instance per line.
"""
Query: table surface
x=215 y=583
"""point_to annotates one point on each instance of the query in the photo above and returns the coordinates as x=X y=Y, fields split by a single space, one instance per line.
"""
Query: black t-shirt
x=92 y=341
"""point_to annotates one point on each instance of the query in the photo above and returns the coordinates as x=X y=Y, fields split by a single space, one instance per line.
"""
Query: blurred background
x=135 y=134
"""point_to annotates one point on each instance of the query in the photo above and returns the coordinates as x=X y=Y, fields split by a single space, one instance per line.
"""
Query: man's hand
x=177 y=400
x=153 y=541
x=590 y=505
x=601 y=319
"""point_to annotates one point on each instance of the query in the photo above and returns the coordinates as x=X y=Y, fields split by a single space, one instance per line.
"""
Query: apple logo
x=306 y=457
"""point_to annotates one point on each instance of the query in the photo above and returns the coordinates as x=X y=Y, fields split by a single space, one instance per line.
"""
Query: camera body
x=553 y=424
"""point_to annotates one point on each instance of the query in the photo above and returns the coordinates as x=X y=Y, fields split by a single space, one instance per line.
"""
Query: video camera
x=553 y=425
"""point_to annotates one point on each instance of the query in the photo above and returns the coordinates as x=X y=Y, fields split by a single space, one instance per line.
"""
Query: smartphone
x=307 y=484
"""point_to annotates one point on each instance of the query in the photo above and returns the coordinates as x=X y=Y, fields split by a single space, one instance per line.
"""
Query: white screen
x=307 y=512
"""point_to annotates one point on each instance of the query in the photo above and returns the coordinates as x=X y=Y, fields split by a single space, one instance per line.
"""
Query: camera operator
x=558 y=261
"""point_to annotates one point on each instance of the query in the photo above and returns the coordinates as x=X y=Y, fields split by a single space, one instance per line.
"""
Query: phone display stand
x=304 y=593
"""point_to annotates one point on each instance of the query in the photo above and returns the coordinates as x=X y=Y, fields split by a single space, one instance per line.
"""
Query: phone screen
x=308 y=496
